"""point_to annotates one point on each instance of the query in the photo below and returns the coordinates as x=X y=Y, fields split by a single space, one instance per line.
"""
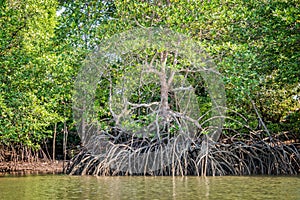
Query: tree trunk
x=54 y=141
x=65 y=142
x=164 y=88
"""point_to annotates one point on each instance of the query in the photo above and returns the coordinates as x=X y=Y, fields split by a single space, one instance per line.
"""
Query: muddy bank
x=39 y=167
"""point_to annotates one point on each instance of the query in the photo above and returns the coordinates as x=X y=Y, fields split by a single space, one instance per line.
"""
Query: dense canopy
x=255 y=46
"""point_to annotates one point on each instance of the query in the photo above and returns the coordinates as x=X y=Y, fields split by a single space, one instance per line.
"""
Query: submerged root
x=200 y=158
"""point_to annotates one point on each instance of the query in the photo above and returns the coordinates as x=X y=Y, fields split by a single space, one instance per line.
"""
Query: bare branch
x=150 y=68
x=147 y=105
x=182 y=89
x=183 y=116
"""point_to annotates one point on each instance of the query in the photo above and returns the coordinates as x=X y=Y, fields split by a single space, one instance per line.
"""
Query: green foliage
x=255 y=45
x=26 y=29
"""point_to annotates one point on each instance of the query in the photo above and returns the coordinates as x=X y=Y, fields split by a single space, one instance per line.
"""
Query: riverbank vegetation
x=255 y=45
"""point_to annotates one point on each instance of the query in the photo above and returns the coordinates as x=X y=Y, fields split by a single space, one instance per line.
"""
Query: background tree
x=42 y=47
x=26 y=67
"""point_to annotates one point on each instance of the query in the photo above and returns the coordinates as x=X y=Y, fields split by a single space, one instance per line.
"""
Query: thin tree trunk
x=46 y=154
x=65 y=142
x=54 y=142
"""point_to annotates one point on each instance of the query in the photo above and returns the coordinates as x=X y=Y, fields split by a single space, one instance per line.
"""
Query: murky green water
x=84 y=187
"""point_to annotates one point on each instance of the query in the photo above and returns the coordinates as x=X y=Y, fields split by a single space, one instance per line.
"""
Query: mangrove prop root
x=255 y=157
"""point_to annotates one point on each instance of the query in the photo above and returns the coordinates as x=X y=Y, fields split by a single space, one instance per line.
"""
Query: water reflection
x=72 y=187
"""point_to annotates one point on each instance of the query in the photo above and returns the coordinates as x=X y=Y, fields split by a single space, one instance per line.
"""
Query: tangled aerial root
x=241 y=157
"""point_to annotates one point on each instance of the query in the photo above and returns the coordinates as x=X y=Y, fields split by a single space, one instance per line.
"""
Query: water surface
x=90 y=187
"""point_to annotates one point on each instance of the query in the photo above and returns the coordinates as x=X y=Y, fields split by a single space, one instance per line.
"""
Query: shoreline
x=31 y=168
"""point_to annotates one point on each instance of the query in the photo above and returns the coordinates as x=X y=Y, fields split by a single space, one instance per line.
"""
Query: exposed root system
x=230 y=156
